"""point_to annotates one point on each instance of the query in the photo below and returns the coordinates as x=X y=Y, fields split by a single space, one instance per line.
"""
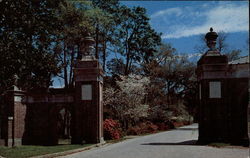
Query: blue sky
x=182 y=22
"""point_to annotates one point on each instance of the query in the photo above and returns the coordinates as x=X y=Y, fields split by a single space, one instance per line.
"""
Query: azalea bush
x=163 y=126
x=143 y=128
x=112 y=129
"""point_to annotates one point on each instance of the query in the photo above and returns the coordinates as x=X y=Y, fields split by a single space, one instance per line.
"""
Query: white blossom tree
x=127 y=101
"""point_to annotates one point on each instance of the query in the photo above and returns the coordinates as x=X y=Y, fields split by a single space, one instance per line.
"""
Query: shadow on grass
x=189 y=142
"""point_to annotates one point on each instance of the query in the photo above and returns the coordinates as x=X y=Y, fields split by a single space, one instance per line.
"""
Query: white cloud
x=224 y=17
x=167 y=12
x=194 y=55
x=191 y=55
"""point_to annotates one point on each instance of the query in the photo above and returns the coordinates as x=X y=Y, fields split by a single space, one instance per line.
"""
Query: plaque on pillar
x=87 y=92
x=215 y=89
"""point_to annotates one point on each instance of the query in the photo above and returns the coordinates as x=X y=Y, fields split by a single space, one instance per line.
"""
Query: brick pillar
x=15 y=117
x=223 y=97
x=87 y=113
x=223 y=100
x=10 y=141
x=213 y=109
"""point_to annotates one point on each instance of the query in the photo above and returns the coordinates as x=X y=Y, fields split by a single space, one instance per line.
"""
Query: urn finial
x=87 y=48
x=211 y=39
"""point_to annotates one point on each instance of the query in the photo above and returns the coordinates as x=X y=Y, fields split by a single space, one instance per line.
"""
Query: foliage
x=27 y=32
x=163 y=126
x=172 y=92
x=142 y=128
x=40 y=39
x=178 y=124
x=105 y=28
x=172 y=79
x=116 y=66
x=111 y=129
x=124 y=30
x=233 y=55
x=165 y=91
x=75 y=23
x=137 y=40
x=126 y=102
x=172 y=70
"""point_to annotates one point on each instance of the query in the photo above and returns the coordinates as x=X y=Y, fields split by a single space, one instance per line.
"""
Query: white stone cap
x=212 y=53
x=88 y=58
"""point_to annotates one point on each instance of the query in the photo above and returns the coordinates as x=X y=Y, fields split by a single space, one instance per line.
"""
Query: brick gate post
x=88 y=108
x=13 y=123
x=213 y=111
x=223 y=98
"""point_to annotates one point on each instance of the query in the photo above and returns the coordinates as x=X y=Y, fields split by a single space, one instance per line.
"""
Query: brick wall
x=34 y=119
x=19 y=121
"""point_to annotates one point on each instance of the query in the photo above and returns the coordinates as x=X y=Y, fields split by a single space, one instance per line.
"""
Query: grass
x=30 y=150
x=218 y=145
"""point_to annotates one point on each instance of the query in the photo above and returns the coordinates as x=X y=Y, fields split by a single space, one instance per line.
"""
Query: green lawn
x=30 y=150
x=218 y=145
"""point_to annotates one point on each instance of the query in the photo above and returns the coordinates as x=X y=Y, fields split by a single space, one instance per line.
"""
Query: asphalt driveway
x=178 y=143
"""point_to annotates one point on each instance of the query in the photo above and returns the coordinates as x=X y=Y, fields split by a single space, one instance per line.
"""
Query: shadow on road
x=189 y=142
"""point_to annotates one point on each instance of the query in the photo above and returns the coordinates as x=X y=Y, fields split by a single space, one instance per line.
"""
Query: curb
x=64 y=153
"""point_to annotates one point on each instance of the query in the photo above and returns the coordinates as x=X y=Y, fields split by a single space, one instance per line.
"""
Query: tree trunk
x=96 y=41
x=71 y=68
x=130 y=66
x=104 y=55
x=127 y=54
x=65 y=67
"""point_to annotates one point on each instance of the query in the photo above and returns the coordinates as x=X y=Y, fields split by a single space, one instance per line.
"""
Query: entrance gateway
x=32 y=117
x=223 y=90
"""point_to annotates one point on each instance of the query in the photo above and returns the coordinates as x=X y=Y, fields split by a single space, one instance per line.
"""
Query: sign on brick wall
x=86 y=92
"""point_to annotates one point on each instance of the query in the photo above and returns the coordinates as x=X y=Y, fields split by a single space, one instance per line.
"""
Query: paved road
x=177 y=143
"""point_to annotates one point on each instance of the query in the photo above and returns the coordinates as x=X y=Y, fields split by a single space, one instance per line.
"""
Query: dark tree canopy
x=138 y=41
x=27 y=32
x=40 y=39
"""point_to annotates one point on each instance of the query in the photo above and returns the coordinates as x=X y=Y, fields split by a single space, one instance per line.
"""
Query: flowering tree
x=127 y=101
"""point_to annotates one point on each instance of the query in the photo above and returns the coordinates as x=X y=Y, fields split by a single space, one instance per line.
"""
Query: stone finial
x=15 y=79
x=87 y=48
x=211 y=39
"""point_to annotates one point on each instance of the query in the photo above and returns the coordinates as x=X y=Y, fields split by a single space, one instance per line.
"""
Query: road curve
x=178 y=143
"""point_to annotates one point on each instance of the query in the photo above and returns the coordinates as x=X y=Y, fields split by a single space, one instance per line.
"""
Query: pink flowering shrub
x=150 y=127
x=111 y=129
x=162 y=126
x=178 y=124
x=142 y=128
x=134 y=130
